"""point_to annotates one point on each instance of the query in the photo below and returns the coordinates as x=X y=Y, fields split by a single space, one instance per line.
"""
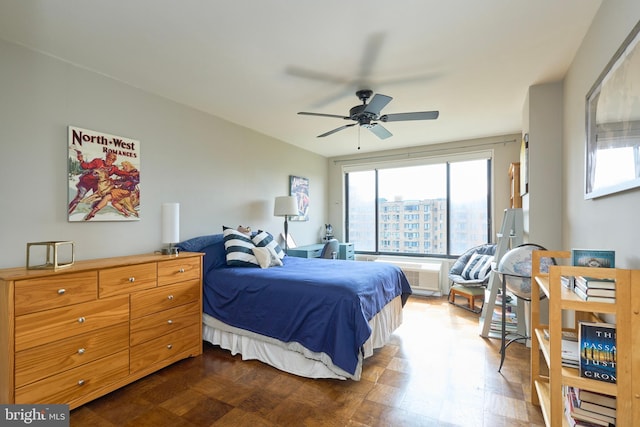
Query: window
x=441 y=207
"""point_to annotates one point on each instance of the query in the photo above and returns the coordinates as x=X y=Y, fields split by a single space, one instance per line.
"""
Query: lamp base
x=169 y=251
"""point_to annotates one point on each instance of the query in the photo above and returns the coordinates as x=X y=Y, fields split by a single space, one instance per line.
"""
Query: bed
x=316 y=318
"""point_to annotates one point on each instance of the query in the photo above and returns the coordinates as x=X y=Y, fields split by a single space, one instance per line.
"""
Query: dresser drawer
x=161 y=323
x=178 y=270
x=43 y=327
x=163 y=298
x=122 y=280
x=166 y=348
x=77 y=382
x=346 y=251
x=46 y=360
x=33 y=295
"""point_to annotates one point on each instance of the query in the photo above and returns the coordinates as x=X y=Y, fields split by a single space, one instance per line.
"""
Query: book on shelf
x=598 y=409
x=591 y=283
x=598 y=356
x=578 y=416
x=597 y=398
x=570 y=351
x=593 y=258
x=567 y=282
x=593 y=298
x=595 y=292
x=566 y=335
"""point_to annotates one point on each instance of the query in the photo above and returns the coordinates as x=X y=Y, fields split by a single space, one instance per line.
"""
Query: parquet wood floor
x=436 y=371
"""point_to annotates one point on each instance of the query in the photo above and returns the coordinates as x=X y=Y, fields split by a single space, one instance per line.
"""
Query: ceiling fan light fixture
x=367 y=113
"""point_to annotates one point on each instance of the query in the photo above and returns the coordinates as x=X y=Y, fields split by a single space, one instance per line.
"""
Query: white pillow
x=264 y=239
x=239 y=248
x=266 y=257
x=477 y=267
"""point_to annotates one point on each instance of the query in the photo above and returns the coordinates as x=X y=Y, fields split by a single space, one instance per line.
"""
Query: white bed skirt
x=293 y=357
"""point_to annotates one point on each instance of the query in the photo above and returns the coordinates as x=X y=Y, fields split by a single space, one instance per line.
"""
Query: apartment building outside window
x=438 y=208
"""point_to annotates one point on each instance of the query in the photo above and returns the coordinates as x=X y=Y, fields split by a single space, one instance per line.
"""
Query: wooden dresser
x=75 y=334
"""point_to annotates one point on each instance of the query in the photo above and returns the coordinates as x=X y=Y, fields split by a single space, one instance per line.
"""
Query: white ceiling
x=257 y=63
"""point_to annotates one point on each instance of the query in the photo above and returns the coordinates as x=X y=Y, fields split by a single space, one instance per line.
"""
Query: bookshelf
x=547 y=384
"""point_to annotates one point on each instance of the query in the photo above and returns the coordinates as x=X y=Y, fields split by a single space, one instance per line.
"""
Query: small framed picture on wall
x=299 y=187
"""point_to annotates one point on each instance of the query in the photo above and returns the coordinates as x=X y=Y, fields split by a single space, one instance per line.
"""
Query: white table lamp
x=170 y=227
x=286 y=206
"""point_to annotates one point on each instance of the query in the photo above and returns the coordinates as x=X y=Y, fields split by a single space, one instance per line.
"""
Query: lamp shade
x=170 y=222
x=285 y=206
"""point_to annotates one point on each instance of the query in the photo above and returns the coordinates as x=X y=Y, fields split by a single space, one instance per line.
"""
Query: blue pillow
x=213 y=248
x=197 y=244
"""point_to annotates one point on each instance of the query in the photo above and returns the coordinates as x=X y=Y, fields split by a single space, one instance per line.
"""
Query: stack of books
x=589 y=289
x=511 y=321
x=599 y=290
x=570 y=348
x=587 y=409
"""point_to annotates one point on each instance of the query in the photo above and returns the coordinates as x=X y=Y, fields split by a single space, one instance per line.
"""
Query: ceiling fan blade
x=370 y=55
x=380 y=131
x=377 y=103
x=401 y=117
x=304 y=113
x=336 y=130
x=315 y=75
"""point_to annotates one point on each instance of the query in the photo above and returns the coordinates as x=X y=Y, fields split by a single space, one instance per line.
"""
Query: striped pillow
x=265 y=240
x=239 y=248
x=477 y=267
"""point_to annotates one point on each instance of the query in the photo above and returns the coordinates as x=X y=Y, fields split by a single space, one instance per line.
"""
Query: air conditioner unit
x=424 y=277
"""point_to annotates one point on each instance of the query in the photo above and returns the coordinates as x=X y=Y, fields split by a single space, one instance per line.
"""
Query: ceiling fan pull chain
x=358 y=137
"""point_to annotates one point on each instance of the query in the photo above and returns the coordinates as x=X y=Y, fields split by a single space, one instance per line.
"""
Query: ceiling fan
x=367 y=115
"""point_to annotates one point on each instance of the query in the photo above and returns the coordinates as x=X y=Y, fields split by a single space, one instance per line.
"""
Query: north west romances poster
x=103 y=177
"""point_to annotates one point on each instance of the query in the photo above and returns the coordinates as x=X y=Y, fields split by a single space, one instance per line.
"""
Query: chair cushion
x=478 y=267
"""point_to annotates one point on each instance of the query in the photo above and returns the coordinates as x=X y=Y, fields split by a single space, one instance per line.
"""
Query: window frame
x=430 y=160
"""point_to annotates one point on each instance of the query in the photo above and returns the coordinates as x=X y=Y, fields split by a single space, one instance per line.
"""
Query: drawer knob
x=132 y=279
x=81 y=319
x=170 y=322
x=170 y=297
x=170 y=346
x=81 y=351
x=81 y=382
x=61 y=291
x=181 y=270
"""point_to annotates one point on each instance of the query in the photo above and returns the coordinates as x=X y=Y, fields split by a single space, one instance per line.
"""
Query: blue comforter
x=322 y=304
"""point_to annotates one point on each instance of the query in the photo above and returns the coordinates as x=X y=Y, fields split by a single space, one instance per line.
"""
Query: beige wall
x=609 y=222
x=219 y=172
x=222 y=173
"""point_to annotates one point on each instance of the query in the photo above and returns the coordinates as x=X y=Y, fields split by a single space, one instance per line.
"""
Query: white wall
x=542 y=205
x=609 y=222
x=221 y=173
